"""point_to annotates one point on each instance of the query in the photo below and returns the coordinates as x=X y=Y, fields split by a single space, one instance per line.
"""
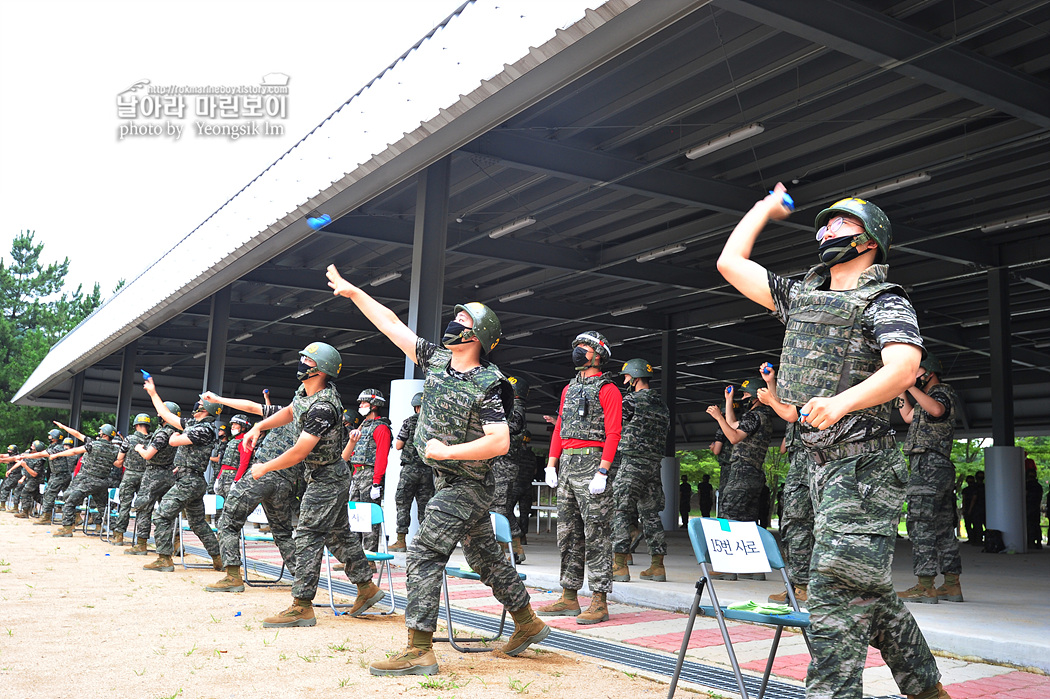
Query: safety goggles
x=833 y=227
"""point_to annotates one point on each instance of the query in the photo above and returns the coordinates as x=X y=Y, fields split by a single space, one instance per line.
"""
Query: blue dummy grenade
x=766 y=368
x=145 y=375
x=786 y=200
x=318 y=222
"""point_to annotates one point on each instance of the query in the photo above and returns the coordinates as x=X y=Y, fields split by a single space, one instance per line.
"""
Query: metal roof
x=587 y=134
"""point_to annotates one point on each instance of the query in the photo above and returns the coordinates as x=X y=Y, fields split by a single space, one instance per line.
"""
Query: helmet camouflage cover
x=876 y=223
x=596 y=341
x=372 y=396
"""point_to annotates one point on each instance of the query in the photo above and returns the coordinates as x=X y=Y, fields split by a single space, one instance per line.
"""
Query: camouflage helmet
x=596 y=341
x=107 y=430
x=68 y=441
x=209 y=407
x=142 y=419
x=240 y=419
x=173 y=407
x=876 y=223
x=932 y=364
x=486 y=325
x=372 y=396
x=637 y=368
x=329 y=361
x=55 y=435
x=38 y=445
x=521 y=386
x=417 y=400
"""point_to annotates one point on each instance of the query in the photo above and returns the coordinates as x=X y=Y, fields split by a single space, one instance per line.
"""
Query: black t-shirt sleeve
x=750 y=422
x=270 y=410
x=491 y=407
x=780 y=288
x=320 y=418
x=160 y=440
x=893 y=320
x=201 y=434
x=404 y=433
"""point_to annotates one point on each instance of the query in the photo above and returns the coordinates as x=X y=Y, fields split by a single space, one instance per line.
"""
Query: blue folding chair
x=89 y=507
x=381 y=558
x=501 y=528
x=258 y=516
x=796 y=619
x=212 y=504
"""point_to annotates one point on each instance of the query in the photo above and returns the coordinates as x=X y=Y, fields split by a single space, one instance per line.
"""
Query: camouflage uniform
x=796 y=521
x=10 y=482
x=191 y=460
x=416 y=481
x=524 y=491
x=61 y=475
x=134 y=469
x=93 y=478
x=277 y=491
x=505 y=470
x=637 y=489
x=856 y=481
x=584 y=520
x=741 y=491
x=453 y=404
x=724 y=458
x=228 y=466
x=31 y=487
x=363 y=461
x=156 y=481
x=931 y=489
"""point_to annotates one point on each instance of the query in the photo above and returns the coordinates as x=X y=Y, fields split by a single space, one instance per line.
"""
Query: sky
x=113 y=205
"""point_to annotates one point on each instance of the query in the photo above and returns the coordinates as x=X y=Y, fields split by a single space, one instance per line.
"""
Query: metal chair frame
x=382 y=558
x=258 y=516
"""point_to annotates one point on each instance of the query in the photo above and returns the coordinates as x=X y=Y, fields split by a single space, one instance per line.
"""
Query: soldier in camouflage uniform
x=156 y=481
x=416 y=480
x=505 y=467
x=94 y=474
x=35 y=465
x=316 y=413
x=193 y=449
x=134 y=469
x=277 y=491
x=931 y=490
x=525 y=491
x=13 y=474
x=230 y=461
x=586 y=435
x=852 y=344
x=462 y=427
x=637 y=489
x=61 y=474
x=367 y=451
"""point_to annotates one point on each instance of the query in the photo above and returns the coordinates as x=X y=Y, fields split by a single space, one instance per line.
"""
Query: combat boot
x=216 y=562
x=117 y=539
x=399 y=546
x=368 y=594
x=519 y=553
x=21 y=515
x=656 y=571
x=951 y=590
x=935 y=692
x=43 y=520
x=782 y=598
x=597 y=612
x=528 y=629
x=139 y=549
x=163 y=564
x=568 y=605
x=924 y=592
x=620 y=572
x=78 y=520
x=301 y=613
x=231 y=582
x=64 y=531
x=417 y=659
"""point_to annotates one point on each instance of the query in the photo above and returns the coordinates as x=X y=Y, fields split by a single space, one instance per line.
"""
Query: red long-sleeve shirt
x=383 y=438
x=246 y=460
x=612 y=410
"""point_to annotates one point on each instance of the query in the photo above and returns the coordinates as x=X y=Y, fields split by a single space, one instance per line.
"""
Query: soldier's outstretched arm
x=735 y=263
x=68 y=429
x=238 y=404
x=299 y=451
x=385 y=320
x=162 y=410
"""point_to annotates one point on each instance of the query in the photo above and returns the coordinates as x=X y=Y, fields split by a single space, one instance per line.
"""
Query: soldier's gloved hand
x=597 y=484
x=550 y=475
x=374 y=492
x=215 y=488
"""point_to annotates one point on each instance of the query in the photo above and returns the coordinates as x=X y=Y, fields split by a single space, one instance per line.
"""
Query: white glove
x=597 y=484
x=215 y=488
x=551 y=476
x=374 y=492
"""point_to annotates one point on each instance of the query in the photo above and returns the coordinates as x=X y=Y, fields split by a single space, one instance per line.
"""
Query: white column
x=401 y=392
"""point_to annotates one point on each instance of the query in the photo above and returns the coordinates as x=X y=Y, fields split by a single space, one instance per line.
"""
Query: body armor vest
x=133 y=461
x=365 y=449
x=38 y=465
x=450 y=413
x=645 y=433
x=582 y=416
x=751 y=452
x=195 y=457
x=409 y=455
x=330 y=447
x=277 y=441
x=231 y=455
x=925 y=433
x=165 y=456
x=99 y=462
x=63 y=465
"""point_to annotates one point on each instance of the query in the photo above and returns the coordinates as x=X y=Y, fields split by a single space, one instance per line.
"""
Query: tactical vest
x=276 y=442
x=330 y=447
x=231 y=456
x=751 y=452
x=582 y=416
x=61 y=466
x=365 y=449
x=133 y=461
x=824 y=351
x=165 y=456
x=450 y=413
x=925 y=433
x=645 y=433
x=791 y=439
x=195 y=457
x=38 y=465
x=100 y=460
x=409 y=455
x=725 y=456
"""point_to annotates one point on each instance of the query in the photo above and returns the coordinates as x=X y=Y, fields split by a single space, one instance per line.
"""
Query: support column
x=670 y=470
x=76 y=401
x=401 y=392
x=428 y=255
x=215 y=360
x=127 y=383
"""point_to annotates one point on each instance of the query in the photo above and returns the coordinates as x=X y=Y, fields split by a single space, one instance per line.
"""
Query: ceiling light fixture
x=662 y=252
x=1016 y=221
x=628 y=309
x=304 y=312
x=346 y=345
x=166 y=369
x=249 y=377
x=516 y=295
x=199 y=355
x=377 y=367
x=384 y=278
x=965 y=378
x=893 y=185
x=725 y=140
x=700 y=362
x=721 y=324
x=239 y=338
x=518 y=335
x=511 y=227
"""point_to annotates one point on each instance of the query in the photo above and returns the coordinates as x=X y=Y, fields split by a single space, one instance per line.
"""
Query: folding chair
x=501 y=527
x=372 y=514
x=258 y=516
x=112 y=512
x=90 y=507
x=796 y=619
x=211 y=505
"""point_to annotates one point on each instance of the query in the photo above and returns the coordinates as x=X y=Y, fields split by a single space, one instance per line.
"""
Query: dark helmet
x=596 y=341
x=486 y=325
x=107 y=430
x=521 y=386
x=750 y=386
x=38 y=445
x=328 y=360
x=12 y=448
x=173 y=407
x=211 y=408
x=932 y=364
x=240 y=419
x=372 y=396
x=637 y=368
x=142 y=419
x=417 y=400
x=875 y=221
x=347 y=415
x=55 y=435
x=68 y=441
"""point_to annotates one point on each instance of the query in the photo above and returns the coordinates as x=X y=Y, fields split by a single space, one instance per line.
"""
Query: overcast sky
x=113 y=206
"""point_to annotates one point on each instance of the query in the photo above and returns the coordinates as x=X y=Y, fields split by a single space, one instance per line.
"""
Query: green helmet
x=55 y=435
x=68 y=441
x=12 y=448
x=417 y=400
x=932 y=364
x=750 y=386
x=596 y=341
x=107 y=430
x=486 y=325
x=173 y=407
x=521 y=386
x=372 y=396
x=212 y=409
x=637 y=368
x=142 y=419
x=876 y=223
x=328 y=360
x=38 y=445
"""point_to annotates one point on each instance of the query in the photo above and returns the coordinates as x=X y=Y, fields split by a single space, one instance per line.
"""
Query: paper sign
x=361 y=518
x=735 y=547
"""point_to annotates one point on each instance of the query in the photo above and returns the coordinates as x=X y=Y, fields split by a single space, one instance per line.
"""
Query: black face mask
x=837 y=250
x=579 y=357
x=305 y=370
x=920 y=383
x=456 y=334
